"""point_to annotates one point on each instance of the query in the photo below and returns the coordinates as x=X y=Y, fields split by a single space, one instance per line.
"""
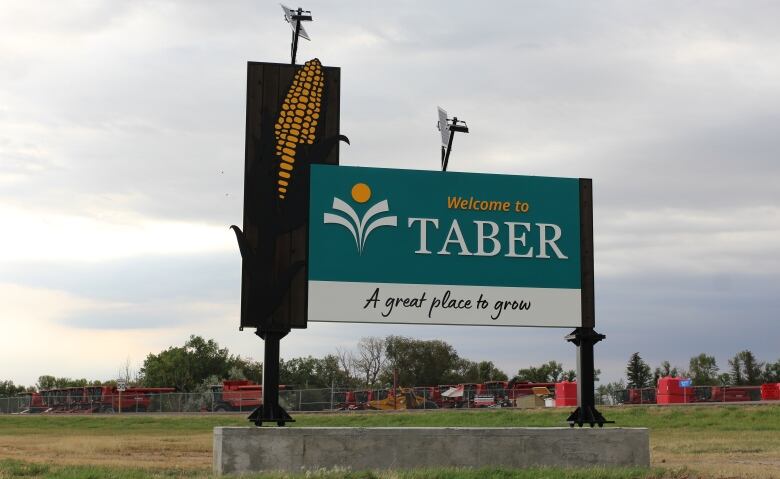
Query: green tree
x=638 y=372
x=489 y=372
x=206 y=358
x=298 y=373
x=9 y=389
x=313 y=373
x=549 y=372
x=771 y=373
x=538 y=374
x=186 y=367
x=665 y=370
x=369 y=360
x=703 y=370
x=50 y=382
x=46 y=382
x=735 y=371
x=571 y=375
x=329 y=370
x=611 y=393
x=419 y=362
x=252 y=370
x=170 y=368
x=479 y=372
x=744 y=369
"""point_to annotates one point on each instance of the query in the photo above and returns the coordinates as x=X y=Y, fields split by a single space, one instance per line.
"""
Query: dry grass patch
x=718 y=441
x=157 y=452
x=743 y=454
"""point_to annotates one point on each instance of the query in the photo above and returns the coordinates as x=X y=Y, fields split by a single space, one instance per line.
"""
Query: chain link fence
x=689 y=395
x=334 y=399
x=293 y=400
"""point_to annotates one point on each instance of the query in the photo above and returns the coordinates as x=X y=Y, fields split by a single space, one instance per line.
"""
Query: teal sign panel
x=365 y=248
x=381 y=235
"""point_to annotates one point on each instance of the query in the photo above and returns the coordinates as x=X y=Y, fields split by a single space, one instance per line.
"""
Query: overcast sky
x=122 y=153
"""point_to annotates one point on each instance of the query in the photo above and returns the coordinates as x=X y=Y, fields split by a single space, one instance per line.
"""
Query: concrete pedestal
x=296 y=449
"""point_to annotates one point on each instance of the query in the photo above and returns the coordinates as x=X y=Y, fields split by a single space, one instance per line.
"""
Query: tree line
x=379 y=362
x=744 y=369
x=9 y=389
x=374 y=363
x=370 y=365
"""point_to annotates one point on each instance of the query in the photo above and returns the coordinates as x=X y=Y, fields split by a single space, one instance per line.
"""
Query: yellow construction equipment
x=403 y=398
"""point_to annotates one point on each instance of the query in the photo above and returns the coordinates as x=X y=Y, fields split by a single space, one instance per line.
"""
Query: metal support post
x=446 y=158
x=270 y=410
x=586 y=412
x=296 y=32
x=585 y=336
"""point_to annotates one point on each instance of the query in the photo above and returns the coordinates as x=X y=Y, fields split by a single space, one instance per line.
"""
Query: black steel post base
x=587 y=415
x=270 y=411
x=272 y=415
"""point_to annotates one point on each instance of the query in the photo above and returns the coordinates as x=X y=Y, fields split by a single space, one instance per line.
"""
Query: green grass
x=713 y=418
x=730 y=418
x=115 y=424
x=19 y=469
x=742 y=440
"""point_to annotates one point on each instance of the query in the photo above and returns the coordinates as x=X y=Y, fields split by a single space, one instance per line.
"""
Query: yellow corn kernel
x=297 y=119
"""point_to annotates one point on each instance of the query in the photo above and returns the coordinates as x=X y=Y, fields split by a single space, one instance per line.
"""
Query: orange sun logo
x=361 y=192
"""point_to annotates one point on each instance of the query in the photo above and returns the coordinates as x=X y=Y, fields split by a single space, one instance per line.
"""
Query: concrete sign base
x=297 y=449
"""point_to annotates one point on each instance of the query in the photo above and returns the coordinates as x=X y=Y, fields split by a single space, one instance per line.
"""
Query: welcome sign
x=429 y=247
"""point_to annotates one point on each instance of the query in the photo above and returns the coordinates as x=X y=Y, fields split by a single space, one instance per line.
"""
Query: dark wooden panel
x=276 y=231
x=586 y=253
x=253 y=108
x=332 y=95
x=283 y=315
x=299 y=287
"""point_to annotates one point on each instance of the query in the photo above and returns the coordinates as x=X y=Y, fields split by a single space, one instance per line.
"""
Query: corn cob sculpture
x=297 y=120
x=285 y=149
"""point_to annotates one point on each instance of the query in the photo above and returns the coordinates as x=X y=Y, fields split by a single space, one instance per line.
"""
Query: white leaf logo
x=360 y=228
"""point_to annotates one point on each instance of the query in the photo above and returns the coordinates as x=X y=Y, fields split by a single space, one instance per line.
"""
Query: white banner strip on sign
x=336 y=301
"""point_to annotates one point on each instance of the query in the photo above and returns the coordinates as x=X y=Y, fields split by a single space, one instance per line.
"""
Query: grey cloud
x=676 y=317
x=670 y=107
x=176 y=108
x=141 y=293
x=722 y=167
x=153 y=316
x=213 y=277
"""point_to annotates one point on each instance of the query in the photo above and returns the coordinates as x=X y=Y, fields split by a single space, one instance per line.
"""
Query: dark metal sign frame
x=585 y=337
x=292 y=121
x=274 y=239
